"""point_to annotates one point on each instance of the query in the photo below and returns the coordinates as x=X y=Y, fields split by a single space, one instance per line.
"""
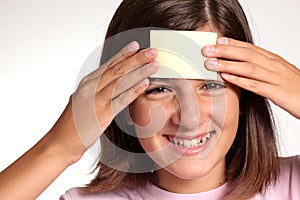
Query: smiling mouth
x=190 y=143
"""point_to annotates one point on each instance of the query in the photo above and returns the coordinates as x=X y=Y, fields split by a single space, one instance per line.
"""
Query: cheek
x=139 y=113
x=233 y=107
x=227 y=124
x=148 y=119
x=231 y=116
x=148 y=144
x=226 y=110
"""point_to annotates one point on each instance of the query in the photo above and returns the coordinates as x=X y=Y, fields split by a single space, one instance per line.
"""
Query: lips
x=185 y=142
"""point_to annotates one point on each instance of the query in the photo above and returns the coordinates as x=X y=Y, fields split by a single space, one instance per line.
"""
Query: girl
x=243 y=162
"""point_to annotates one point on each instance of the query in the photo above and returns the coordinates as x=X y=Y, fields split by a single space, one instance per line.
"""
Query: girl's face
x=187 y=127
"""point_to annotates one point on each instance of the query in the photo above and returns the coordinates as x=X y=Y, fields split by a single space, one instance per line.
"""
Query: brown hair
x=252 y=161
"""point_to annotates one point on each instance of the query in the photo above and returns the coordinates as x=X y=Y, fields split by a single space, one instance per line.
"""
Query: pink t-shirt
x=287 y=188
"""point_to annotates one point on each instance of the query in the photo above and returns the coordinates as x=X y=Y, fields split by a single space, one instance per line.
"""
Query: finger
x=244 y=69
x=121 y=85
x=236 y=53
x=90 y=126
x=258 y=87
x=127 y=65
x=276 y=59
x=270 y=91
x=243 y=51
x=129 y=96
x=123 y=100
x=125 y=52
x=233 y=42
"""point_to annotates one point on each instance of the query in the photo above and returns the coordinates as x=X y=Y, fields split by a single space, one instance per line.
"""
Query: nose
x=188 y=113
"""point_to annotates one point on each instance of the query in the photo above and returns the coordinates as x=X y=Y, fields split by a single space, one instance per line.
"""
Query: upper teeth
x=190 y=143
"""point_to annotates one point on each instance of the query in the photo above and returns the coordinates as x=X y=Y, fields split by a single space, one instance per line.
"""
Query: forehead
x=209 y=28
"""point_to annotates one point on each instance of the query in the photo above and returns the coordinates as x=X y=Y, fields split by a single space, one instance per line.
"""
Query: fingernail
x=153 y=67
x=212 y=64
x=223 y=40
x=209 y=49
x=144 y=82
x=151 y=52
x=133 y=46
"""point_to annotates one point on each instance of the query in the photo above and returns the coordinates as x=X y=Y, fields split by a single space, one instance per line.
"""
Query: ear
x=127 y=117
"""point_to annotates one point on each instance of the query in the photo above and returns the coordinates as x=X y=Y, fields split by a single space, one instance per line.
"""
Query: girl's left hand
x=257 y=70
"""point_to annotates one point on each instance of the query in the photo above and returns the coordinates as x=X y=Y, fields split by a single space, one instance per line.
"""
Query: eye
x=157 y=90
x=212 y=89
x=211 y=86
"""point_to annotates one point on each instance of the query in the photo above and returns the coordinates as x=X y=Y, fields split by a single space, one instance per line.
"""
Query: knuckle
x=84 y=80
x=276 y=62
x=222 y=65
x=250 y=54
x=218 y=49
x=141 y=56
x=254 y=86
x=134 y=94
x=221 y=49
x=118 y=86
x=118 y=69
x=87 y=89
x=124 y=99
x=141 y=74
x=247 y=55
x=253 y=70
x=84 y=92
x=143 y=71
x=276 y=58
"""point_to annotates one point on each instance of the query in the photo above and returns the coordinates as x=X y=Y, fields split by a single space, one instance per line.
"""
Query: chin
x=196 y=169
x=190 y=169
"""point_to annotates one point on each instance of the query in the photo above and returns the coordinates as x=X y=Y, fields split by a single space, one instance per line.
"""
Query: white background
x=44 y=43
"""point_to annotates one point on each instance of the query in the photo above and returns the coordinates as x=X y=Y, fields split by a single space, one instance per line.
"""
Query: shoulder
x=289 y=177
x=116 y=194
x=288 y=183
x=290 y=170
x=290 y=163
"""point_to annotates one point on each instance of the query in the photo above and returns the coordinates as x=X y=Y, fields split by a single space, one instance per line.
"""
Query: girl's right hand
x=102 y=94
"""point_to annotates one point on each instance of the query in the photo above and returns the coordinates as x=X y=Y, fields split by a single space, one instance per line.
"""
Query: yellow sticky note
x=179 y=53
